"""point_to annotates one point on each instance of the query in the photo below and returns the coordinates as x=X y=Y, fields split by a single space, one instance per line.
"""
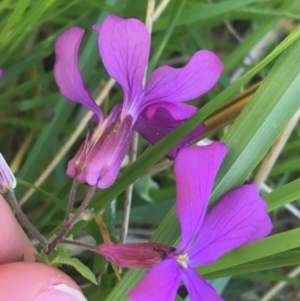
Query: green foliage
x=59 y=258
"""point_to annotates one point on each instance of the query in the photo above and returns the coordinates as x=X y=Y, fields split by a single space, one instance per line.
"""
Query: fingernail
x=60 y=292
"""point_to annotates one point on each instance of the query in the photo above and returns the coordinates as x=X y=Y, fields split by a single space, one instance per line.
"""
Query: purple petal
x=137 y=255
x=239 y=217
x=160 y=283
x=124 y=46
x=169 y=84
x=93 y=151
x=104 y=161
x=79 y=160
x=160 y=119
x=195 y=170
x=198 y=288
x=66 y=70
x=1 y=73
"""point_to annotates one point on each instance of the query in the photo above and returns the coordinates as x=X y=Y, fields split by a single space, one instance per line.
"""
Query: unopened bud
x=7 y=178
x=87 y=214
x=136 y=255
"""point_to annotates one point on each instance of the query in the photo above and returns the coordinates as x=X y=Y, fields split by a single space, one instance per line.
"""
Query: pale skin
x=28 y=281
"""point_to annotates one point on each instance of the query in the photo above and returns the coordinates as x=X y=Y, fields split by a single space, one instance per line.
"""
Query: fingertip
x=13 y=241
x=28 y=281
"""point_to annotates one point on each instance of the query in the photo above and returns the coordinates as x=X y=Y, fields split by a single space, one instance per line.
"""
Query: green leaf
x=59 y=257
x=267 y=277
x=269 y=246
x=144 y=186
x=267 y=263
x=283 y=195
x=248 y=140
x=258 y=33
x=288 y=165
x=200 y=11
x=49 y=195
x=15 y=16
x=76 y=264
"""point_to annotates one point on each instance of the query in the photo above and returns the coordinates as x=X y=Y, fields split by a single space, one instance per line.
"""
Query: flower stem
x=69 y=224
x=24 y=220
x=79 y=244
x=149 y=23
x=128 y=192
x=71 y=200
x=160 y=8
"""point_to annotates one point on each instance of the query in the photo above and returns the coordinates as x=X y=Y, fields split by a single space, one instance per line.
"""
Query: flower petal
x=169 y=84
x=195 y=170
x=160 y=283
x=7 y=178
x=66 y=70
x=239 y=217
x=198 y=288
x=124 y=46
x=160 y=119
x=107 y=154
x=79 y=160
x=1 y=73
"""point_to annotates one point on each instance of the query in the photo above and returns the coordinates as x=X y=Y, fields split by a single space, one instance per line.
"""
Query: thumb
x=13 y=241
x=29 y=281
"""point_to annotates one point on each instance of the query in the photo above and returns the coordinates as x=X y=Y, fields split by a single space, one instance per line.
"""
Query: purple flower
x=153 y=110
x=1 y=73
x=239 y=217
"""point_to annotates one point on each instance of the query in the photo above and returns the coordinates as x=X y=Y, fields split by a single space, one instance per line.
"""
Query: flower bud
x=7 y=178
x=136 y=255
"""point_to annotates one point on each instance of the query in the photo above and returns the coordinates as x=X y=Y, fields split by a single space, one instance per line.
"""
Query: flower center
x=182 y=260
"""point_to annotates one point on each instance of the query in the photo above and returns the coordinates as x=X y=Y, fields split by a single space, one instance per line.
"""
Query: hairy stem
x=79 y=244
x=71 y=200
x=24 y=220
x=66 y=228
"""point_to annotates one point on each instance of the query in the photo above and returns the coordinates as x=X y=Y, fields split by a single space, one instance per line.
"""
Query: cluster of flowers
x=154 y=110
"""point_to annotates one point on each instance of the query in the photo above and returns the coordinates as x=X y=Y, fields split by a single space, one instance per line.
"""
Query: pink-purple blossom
x=153 y=109
x=238 y=218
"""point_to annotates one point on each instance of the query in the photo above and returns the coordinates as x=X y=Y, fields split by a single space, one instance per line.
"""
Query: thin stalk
x=128 y=192
x=279 y=286
x=134 y=144
x=71 y=200
x=149 y=15
x=160 y=8
x=24 y=220
x=66 y=228
x=79 y=244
